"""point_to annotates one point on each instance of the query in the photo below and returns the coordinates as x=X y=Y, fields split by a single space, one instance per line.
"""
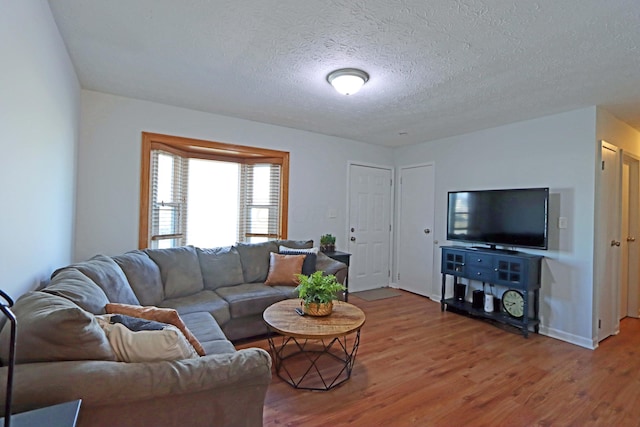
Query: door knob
x=427 y=231
x=353 y=239
x=615 y=243
x=631 y=239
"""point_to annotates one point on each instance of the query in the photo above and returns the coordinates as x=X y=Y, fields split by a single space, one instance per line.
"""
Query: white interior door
x=369 y=227
x=624 y=248
x=415 y=231
x=608 y=218
x=630 y=280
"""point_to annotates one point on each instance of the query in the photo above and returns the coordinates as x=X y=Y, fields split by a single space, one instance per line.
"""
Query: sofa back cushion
x=52 y=328
x=108 y=275
x=143 y=275
x=179 y=269
x=254 y=258
x=296 y=244
x=71 y=284
x=220 y=267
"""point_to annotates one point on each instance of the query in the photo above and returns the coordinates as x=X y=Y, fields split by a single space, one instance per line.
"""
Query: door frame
x=392 y=218
x=434 y=293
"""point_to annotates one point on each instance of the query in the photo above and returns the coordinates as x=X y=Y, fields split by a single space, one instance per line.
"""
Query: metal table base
x=314 y=364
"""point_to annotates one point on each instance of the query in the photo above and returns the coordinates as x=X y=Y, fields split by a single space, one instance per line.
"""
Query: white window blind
x=169 y=181
x=258 y=198
x=259 y=202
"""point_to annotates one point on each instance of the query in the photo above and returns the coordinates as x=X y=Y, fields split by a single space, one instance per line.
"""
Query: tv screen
x=513 y=217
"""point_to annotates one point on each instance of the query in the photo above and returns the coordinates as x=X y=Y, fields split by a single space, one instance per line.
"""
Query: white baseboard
x=570 y=338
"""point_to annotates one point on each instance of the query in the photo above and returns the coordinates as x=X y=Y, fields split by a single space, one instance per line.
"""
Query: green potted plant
x=317 y=292
x=327 y=243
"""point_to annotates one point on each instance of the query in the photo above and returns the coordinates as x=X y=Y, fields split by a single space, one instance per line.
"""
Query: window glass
x=212 y=208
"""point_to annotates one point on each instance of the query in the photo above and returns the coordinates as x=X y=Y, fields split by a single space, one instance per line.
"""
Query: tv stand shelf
x=507 y=270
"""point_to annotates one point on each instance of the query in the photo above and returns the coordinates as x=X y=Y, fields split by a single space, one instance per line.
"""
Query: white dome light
x=347 y=81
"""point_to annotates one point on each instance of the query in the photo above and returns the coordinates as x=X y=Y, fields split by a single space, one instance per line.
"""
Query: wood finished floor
x=418 y=366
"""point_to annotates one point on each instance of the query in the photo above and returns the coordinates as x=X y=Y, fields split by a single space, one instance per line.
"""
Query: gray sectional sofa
x=220 y=295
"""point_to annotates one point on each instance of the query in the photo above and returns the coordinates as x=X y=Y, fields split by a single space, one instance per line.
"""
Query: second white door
x=415 y=231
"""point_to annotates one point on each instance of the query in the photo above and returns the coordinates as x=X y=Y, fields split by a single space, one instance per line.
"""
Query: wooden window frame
x=208 y=150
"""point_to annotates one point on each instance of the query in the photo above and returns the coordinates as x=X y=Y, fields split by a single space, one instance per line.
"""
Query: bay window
x=208 y=194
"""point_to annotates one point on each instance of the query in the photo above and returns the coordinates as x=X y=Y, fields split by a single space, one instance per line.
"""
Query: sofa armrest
x=118 y=393
x=331 y=266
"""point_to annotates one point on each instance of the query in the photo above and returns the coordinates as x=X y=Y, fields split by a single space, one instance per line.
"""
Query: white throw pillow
x=314 y=250
x=147 y=346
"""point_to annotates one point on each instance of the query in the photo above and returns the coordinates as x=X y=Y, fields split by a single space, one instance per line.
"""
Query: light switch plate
x=562 y=222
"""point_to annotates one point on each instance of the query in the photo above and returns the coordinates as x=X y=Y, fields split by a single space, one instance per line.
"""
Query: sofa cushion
x=219 y=347
x=108 y=275
x=71 y=284
x=179 y=269
x=208 y=332
x=287 y=291
x=164 y=315
x=167 y=343
x=249 y=298
x=143 y=275
x=52 y=328
x=283 y=269
x=309 y=264
x=204 y=301
x=255 y=260
x=243 y=327
x=296 y=244
x=332 y=266
x=220 y=267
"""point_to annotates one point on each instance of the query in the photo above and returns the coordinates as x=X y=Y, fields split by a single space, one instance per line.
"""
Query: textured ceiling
x=438 y=68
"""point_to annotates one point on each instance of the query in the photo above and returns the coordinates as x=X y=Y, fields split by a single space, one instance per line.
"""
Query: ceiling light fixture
x=347 y=81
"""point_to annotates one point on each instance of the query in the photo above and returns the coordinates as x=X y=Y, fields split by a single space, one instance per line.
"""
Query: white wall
x=39 y=120
x=557 y=152
x=617 y=132
x=109 y=168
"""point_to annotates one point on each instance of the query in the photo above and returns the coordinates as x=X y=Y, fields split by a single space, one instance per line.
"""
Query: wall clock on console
x=513 y=303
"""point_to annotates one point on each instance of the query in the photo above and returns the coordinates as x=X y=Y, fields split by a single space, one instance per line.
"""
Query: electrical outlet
x=562 y=222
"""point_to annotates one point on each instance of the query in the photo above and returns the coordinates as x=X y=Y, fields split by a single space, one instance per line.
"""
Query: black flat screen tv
x=511 y=217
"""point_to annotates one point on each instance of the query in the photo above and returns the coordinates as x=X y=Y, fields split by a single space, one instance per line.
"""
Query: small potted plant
x=327 y=243
x=317 y=292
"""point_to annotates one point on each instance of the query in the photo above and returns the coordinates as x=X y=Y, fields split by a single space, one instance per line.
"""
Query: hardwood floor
x=418 y=366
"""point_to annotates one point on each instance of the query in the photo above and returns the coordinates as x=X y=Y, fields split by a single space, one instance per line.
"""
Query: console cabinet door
x=453 y=262
x=510 y=272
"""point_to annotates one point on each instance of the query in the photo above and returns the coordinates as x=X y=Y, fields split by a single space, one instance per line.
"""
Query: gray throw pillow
x=137 y=324
x=143 y=275
x=220 y=267
x=179 y=269
x=255 y=260
x=309 y=264
x=71 y=284
x=52 y=328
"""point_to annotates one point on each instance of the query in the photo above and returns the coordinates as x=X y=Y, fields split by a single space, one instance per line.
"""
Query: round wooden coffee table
x=313 y=353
